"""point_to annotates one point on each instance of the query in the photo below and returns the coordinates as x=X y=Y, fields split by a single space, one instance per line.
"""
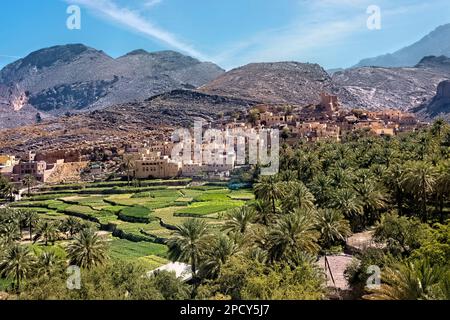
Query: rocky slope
x=436 y=43
x=278 y=83
x=440 y=105
x=75 y=78
x=124 y=123
x=397 y=88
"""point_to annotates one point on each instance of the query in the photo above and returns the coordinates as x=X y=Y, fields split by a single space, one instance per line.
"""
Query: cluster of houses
x=325 y=121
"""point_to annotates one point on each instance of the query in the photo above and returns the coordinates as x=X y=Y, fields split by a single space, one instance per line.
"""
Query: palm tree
x=48 y=262
x=292 y=232
x=71 y=225
x=373 y=199
x=420 y=179
x=9 y=191
x=332 y=226
x=321 y=187
x=442 y=188
x=268 y=188
x=31 y=219
x=128 y=164
x=28 y=181
x=87 y=250
x=46 y=230
x=239 y=220
x=9 y=232
x=437 y=128
x=17 y=263
x=408 y=281
x=263 y=212
x=298 y=197
x=216 y=256
x=347 y=201
x=190 y=243
x=393 y=180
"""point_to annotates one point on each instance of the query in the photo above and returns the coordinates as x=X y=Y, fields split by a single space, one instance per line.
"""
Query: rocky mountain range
x=170 y=88
x=397 y=88
x=276 y=83
x=435 y=43
x=439 y=105
x=74 y=78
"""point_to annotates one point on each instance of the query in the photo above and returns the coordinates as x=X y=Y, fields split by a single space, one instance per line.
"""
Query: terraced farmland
x=139 y=219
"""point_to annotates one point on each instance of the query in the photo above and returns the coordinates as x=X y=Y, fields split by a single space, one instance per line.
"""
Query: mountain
x=126 y=123
x=397 y=88
x=277 y=83
x=440 y=105
x=74 y=77
x=436 y=43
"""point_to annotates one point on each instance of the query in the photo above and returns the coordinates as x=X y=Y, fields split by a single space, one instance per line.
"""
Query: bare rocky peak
x=278 y=82
x=74 y=78
x=436 y=43
x=441 y=63
x=439 y=105
x=397 y=88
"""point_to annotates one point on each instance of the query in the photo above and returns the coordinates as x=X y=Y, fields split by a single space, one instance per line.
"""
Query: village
x=147 y=160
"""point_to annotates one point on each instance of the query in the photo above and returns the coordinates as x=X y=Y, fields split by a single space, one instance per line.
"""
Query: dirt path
x=338 y=265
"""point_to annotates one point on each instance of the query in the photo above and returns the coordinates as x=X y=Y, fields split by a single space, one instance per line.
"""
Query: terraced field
x=140 y=218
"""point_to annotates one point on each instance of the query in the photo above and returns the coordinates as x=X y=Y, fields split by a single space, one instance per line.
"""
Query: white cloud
x=136 y=22
x=151 y=3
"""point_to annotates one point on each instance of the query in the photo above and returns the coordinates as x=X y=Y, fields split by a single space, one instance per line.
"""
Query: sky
x=230 y=33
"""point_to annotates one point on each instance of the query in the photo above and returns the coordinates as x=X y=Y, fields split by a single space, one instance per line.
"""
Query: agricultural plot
x=140 y=219
x=150 y=255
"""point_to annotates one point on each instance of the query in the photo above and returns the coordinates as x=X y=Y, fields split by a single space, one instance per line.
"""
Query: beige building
x=156 y=167
x=270 y=119
x=40 y=170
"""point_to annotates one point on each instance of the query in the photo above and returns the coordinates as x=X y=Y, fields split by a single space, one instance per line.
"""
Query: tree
x=9 y=191
x=17 y=263
x=347 y=201
x=263 y=213
x=442 y=188
x=31 y=219
x=87 y=250
x=292 y=232
x=190 y=242
x=239 y=220
x=129 y=165
x=401 y=234
x=71 y=226
x=46 y=230
x=217 y=255
x=9 y=232
x=393 y=180
x=420 y=179
x=48 y=263
x=373 y=198
x=28 y=181
x=332 y=226
x=297 y=197
x=268 y=188
x=38 y=118
x=321 y=188
x=408 y=281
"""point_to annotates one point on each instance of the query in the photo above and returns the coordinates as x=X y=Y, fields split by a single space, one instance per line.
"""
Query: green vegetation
x=242 y=246
x=135 y=214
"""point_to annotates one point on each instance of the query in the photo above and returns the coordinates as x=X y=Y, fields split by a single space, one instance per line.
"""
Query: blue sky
x=230 y=33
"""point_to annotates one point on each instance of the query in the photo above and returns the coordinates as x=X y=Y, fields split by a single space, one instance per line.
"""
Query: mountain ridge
x=435 y=43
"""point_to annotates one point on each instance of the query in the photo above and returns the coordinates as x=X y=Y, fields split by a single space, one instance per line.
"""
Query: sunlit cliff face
x=19 y=101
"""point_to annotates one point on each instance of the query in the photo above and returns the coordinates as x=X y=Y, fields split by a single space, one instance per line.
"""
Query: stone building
x=156 y=167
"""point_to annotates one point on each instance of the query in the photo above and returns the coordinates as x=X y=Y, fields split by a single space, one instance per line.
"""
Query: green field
x=137 y=217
